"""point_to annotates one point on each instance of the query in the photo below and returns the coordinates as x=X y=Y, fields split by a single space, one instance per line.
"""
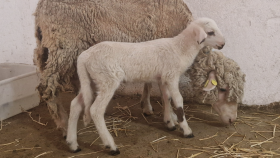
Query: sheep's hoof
x=172 y=128
x=77 y=150
x=189 y=136
x=114 y=152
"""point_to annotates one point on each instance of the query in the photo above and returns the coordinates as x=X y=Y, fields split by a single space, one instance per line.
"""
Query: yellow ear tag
x=214 y=82
x=206 y=83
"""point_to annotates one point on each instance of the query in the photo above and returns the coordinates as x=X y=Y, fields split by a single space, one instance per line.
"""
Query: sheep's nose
x=231 y=120
x=221 y=47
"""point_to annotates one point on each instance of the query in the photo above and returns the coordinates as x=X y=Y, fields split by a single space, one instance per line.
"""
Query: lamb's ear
x=200 y=34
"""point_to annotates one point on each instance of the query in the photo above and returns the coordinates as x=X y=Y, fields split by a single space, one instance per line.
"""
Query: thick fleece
x=65 y=28
x=227 y=73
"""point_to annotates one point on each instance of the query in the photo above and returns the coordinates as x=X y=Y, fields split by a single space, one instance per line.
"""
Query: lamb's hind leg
x=178 y=102
x=97 y=111
x=87 y=118
x=170 y=118
x=75 y=110
x=77 y=86
x=145 y=99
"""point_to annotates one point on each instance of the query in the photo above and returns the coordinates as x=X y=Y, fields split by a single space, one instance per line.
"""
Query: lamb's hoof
x=114 y=152
x=65 y=137
x=77 y=150
x=172 y=128
x=189 y=136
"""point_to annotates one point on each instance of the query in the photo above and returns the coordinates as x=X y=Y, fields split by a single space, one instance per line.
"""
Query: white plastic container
x=17 y=88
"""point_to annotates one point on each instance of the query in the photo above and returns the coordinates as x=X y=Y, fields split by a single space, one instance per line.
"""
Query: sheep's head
x=207 y=33
x=224 y=89
x=226 y=110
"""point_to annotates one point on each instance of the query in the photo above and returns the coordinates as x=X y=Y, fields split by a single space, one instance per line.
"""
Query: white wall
x=252 y=31
x=17 y=40
x=251 y=28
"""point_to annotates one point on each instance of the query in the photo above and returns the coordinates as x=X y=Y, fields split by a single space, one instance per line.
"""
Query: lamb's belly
x=141 y=77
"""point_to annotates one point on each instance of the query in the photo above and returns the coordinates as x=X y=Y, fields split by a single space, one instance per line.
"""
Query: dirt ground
x=255 y=134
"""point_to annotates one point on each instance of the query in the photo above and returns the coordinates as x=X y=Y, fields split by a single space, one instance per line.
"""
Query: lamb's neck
x=187 y=45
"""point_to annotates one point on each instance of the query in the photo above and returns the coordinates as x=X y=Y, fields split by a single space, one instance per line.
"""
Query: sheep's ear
x=200 y=34
x=211 y=82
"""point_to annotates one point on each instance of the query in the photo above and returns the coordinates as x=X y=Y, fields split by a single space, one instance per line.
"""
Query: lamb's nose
x=221 y=47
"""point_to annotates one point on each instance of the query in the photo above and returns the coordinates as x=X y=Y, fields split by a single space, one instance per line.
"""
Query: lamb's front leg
x=177 y=98
x=145 y=100
x=170 y=118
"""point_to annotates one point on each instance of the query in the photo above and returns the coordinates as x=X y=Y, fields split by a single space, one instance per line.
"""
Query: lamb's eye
x=223 y=90
x=212 y=33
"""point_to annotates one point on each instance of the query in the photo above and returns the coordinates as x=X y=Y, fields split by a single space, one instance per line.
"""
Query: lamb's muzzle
x=164 y=60
x=221 y=47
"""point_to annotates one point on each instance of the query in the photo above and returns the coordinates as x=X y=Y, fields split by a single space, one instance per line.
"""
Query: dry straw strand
x=23 y=149
x=44 y=153
x=195 y=155
x=86 y=154
x=145 y=118
x=262 y=142
x=228 y=137
x=94 y=141
x=177 y=155
x=210 y=137
x=274 y=131
x=16 y=141
x=158 y=139
x=29 y=113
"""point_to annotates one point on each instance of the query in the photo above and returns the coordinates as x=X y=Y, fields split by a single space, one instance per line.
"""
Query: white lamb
x=107 y=64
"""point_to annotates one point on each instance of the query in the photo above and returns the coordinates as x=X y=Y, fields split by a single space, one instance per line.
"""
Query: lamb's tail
x=86 y=89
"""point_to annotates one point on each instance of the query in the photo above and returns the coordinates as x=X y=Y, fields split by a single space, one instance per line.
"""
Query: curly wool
x=227 y=73
x=65 y=28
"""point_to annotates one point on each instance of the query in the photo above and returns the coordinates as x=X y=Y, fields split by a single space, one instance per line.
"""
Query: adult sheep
x=65 y=28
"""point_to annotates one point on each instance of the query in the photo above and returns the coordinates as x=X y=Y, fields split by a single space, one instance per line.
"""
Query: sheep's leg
x=97 y=111
x=75 y=110
x=170 y=117
x=178 y=102
x=61 y=117
x=145 y=100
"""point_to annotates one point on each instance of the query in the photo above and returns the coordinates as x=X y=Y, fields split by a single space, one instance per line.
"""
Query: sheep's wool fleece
x=65 y=28
x=227 y=72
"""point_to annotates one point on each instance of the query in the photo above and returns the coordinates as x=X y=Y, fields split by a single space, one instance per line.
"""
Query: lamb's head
x=207 y=33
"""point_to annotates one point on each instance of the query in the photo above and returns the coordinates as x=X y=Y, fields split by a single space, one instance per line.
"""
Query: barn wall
x=252 y=31
x=251 y=28
x=17 y=39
